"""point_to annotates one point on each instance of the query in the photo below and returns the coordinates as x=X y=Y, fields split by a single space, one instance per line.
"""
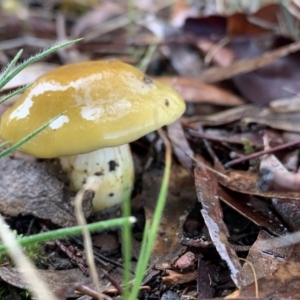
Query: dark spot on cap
x=99 y=173
x=84 y=181
x=111 y=194
x=147 y=79
x=167 y=103
x=112 y=165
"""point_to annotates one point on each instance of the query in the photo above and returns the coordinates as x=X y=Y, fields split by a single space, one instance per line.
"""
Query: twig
x=260 y=153
x=74 y=260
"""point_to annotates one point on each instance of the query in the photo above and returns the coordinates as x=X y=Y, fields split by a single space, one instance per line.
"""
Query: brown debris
x=174 y=278
x=185 y=262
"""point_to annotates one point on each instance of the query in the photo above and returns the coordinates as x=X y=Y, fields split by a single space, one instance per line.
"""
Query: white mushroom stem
x=114 y=171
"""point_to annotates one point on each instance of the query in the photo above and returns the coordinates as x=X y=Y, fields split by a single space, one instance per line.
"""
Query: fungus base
x=112 y=168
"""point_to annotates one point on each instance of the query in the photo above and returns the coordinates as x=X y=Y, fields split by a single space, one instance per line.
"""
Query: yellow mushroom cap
x=103 y=104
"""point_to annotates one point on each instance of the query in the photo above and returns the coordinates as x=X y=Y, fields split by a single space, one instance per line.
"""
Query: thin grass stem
x=69 y=231
x=152 y=232
x=16 y=92
x=10 y=66
x=26 y=138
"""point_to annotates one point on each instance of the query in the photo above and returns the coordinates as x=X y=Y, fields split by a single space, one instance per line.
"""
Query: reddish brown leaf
x=264 y=20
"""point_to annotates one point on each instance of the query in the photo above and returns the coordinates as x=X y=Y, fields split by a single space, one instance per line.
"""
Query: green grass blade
x=35 y=58
x=152 y=232
x=148 y=57
x=17 y=91
x=142 y=262
x=126 y=247
x=3 y=144
x=69 y=231
x=10 y=66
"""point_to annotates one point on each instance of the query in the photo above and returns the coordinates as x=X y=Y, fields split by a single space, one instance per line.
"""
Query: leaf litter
x=239 y=75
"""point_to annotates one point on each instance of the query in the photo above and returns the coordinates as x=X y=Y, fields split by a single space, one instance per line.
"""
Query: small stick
x=260 y=153
x=74 y=260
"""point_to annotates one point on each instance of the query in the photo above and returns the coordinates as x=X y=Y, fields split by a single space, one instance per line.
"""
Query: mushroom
x=104 y=105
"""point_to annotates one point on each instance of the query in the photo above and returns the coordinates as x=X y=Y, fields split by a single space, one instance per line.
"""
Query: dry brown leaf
x=282 y=121
x=193 y=90
x=207 y=192
x=222 y=118
x=254 y=209
x=55 y=279
x=286 y=105
x=246 y=65
x=95 y=17
x=262 y=21
x=175 y=278
x=27 y=188
x=246 y=182
x=282 y=284
x=216 y=52
x=181 y=10
x=265 y=261
x=271 y=180
x=180 y=144
x=281 y=180
x=288 y=209
x=222 y=135
x=249 y=114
